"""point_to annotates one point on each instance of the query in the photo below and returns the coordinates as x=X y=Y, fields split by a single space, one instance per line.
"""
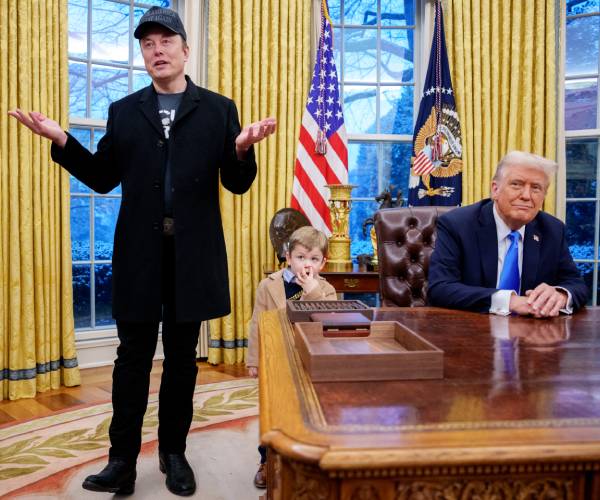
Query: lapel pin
x=536 y=238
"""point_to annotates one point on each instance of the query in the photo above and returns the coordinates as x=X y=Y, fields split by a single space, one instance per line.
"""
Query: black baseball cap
x=164 y=17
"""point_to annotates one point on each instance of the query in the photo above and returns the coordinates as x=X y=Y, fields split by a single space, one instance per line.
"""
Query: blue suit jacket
x=464 y=265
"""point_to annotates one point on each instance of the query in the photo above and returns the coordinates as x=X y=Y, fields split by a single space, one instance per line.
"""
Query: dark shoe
x=260 y=479
x=180 y=476
x=117 y=477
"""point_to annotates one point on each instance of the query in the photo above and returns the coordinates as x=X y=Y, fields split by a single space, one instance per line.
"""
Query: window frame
x=569 y=135
x=422 y=33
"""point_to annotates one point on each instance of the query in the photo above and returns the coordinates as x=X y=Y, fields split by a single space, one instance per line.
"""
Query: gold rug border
x=93 y=409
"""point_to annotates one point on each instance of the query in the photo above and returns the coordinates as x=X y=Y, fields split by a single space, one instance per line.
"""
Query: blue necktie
x=509 y=277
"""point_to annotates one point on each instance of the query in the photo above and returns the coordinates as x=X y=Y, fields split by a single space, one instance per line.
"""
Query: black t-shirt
x=167 y=108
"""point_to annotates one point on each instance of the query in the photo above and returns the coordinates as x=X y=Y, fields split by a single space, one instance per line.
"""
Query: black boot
x=117 y=477
x=180 y=476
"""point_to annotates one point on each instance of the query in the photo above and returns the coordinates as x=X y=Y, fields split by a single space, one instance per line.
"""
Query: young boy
x=300 y=280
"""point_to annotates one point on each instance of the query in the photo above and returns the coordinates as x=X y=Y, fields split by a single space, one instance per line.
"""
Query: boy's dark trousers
x=131 y=375
x=263 y=454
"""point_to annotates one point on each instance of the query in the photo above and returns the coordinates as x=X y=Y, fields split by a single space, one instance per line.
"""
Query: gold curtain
x=258 y=54
x=503 y=60
x=37 y=344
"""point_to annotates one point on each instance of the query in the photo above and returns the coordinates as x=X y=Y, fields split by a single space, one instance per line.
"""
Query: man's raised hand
x=41 y=125
x=253 y=133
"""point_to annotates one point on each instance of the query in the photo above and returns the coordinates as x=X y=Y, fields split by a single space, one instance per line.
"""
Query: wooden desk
x=350 y=279
x=511 y=419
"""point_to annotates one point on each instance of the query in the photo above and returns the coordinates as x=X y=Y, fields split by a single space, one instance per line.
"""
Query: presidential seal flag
x=436 y=164
x=322 y=156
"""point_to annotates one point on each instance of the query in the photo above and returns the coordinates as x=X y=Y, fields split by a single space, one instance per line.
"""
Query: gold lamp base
x=339 y=241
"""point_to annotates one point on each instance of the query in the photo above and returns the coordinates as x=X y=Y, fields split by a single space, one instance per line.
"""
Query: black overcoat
x=133 y=153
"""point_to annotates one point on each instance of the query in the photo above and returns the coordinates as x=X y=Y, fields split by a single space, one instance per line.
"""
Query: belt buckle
x=168 y=226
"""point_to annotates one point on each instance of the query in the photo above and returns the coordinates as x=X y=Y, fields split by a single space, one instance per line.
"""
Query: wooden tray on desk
x=390 y=352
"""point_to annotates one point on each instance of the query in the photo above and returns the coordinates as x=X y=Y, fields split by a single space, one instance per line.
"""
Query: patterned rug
x=49 y=457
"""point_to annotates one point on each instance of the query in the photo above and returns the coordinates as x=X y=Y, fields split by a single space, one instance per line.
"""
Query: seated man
x=504 y=255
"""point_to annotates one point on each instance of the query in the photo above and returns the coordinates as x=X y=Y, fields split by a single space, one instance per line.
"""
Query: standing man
x=167 y=145
x=504 y=255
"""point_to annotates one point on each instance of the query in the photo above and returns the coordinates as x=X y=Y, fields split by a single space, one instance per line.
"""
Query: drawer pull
x=351 y=282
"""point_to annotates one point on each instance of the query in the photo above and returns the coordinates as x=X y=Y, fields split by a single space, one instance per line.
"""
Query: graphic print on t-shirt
x=167 y=117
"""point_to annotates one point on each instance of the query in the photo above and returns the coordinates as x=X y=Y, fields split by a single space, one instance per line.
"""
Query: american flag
x=322 y=156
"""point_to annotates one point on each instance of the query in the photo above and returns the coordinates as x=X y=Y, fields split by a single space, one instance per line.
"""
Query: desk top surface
x=495 y=368
x=507 y=381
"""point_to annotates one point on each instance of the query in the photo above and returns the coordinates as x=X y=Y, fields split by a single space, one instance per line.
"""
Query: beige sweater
x=270 y=294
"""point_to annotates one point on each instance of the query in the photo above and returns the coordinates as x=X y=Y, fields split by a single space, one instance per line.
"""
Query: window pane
x=83 y=136
x=582 y=6
x=106 y=211
x=110 y=31
x=397 y=12
x=581 y=216
x=360 y=109
x=337 y=50
x=108 y=85
x=397 y=56
x=582 y=166
x=396 y=108
x=362 y=169
x=586 y=270
x=80 y=227
x=361 y=211
x=360 y=55
x=583 y=35
x=103 y=284
x=98 y=134
x=360 y=12
x=396 y=168
x=81 y=296
x=581 y=97
x=334 y=7
x=141 y=79
x=159 y=3
x=78 y=23
x=77 y=89
x=138 y=60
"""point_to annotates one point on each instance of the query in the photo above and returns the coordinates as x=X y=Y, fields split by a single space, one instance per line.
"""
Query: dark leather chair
x=405 y=241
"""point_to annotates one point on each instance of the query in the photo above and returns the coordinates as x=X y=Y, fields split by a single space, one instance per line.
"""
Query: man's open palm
x=41 y=125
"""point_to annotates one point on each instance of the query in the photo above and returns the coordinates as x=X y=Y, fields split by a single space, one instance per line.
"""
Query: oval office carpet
x=48 y=458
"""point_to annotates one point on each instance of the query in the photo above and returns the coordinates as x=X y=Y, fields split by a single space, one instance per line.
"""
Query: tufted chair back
x=405 y=240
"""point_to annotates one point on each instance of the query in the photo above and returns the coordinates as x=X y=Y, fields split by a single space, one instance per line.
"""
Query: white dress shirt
x=501 y=298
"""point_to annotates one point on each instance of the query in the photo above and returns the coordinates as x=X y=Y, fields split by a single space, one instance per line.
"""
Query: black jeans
x=131 y=375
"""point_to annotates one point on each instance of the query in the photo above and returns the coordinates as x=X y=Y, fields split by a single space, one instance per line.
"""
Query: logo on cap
x=164 y=17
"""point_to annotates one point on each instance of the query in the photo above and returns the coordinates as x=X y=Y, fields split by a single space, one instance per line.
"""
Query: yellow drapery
x=258 y=54
x=503 y=60
x=37 y=344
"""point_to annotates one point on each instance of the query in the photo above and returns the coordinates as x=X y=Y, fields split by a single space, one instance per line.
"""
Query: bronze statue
x=283 y=224
x=385 y=200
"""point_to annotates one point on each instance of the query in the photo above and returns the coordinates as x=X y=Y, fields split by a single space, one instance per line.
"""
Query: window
x=375 y=46
x=582 y=135
x=105 y=65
